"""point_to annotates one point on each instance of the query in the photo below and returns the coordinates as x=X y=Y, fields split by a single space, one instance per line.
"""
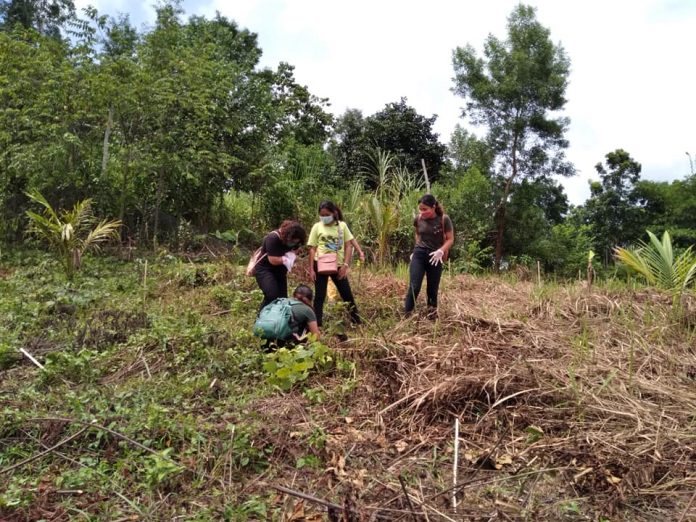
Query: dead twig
x=688 y=507
x=408 y=499
x=115 y=433
x=31 y=358
x=46 y=452
x=305 y=496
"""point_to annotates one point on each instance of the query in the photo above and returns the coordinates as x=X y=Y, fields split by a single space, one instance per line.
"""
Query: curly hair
x=292 y=231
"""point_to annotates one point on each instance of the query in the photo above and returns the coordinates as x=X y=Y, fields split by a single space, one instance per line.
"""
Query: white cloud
x=630 y=85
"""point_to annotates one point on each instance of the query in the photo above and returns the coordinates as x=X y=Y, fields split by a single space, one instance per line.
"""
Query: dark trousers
x=272 y=284
x=343 y=287
x=420 y=266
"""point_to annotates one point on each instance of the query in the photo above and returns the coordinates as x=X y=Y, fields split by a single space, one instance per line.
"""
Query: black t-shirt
x=430 y=233
x=273 y=246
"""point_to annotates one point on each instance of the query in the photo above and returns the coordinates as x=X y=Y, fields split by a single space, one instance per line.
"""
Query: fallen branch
x=46 y=452
x=221 y=312
x=93 y=424
x=408 y=499
x=305 y=496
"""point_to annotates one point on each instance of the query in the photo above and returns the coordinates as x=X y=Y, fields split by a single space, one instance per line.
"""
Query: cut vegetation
x=153 y=402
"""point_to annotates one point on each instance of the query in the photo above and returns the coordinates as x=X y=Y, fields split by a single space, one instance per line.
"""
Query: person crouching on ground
x=434 y=238
x=287 y=322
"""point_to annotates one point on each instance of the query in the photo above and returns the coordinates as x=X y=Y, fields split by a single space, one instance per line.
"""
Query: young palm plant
x=70 y=233
x=384 y=220
x=383 y=205
x=655 y=262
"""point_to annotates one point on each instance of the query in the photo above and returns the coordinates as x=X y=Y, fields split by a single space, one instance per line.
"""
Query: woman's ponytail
x=430 y=201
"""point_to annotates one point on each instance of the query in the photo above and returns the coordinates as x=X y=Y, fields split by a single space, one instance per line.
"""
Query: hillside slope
x=573 y=404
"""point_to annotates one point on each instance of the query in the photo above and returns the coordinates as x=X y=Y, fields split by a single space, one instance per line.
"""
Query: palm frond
x=102 y=232
x=65 y=231
x=35 y=195
x=655 y=262
x=689 y=277
x=636 y=262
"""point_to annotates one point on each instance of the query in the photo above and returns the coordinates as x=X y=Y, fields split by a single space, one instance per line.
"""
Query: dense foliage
x=177 y=132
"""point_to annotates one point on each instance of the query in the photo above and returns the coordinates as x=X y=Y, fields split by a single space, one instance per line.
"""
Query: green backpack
x=276 y=320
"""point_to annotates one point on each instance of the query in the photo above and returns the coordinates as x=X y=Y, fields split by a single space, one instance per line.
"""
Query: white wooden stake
x=455 y=465
x=31 y=358
x=425 y=173
x=145 y=285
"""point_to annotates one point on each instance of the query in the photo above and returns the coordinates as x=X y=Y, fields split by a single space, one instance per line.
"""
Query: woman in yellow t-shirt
x=330 y=253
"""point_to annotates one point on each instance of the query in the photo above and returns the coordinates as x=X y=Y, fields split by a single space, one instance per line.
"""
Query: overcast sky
x=632 y=77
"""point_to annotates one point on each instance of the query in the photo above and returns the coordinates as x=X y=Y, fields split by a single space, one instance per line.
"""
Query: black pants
x=273 y=285
x=343 y=287
x=420 y=266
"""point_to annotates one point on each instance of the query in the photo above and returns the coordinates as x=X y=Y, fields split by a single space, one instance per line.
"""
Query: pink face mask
x=429 y=214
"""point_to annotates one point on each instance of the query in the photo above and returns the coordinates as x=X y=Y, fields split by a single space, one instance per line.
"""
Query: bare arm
x=275 y=260
x=357 y=248
x=312 y=253
x=348 y=254
x=343 y=271
x=313 y=327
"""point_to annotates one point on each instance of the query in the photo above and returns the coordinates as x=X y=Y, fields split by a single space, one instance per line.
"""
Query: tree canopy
x=516 y=91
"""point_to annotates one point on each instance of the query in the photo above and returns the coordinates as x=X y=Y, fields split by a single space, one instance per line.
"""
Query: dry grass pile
x=573 y=405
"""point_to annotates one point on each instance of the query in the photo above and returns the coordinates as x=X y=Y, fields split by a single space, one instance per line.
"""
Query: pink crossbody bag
x=327 y=264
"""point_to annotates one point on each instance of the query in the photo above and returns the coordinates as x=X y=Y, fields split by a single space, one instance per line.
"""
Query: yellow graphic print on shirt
x=326 y=239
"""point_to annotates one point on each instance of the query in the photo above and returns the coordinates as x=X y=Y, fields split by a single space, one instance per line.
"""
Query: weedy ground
x=155 y=402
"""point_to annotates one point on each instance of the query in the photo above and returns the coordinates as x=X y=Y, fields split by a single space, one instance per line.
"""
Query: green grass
x=162 y=373
x=186 y=417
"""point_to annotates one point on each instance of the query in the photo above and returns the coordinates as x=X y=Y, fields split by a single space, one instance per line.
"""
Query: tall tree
x=534 y=209
x=669 y=206
x=612 y=209
x=466 y=150
x=409 y=136
x=349 y=144
x=397 y=129
x=516 y=91
x=46 y=17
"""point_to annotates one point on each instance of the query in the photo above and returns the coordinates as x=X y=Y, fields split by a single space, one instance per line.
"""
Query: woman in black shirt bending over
x=279 y=253
x=434 y=238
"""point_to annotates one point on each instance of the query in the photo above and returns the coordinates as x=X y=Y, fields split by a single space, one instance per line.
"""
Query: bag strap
x=264 y=241
x=265 y=254
x=444 y=237
x=292 y=302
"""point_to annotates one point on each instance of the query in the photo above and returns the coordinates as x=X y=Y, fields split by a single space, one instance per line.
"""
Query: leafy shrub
x=286 y=367
x=8 y=356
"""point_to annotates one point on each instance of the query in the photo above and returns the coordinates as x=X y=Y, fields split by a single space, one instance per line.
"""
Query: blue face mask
x=327 y=220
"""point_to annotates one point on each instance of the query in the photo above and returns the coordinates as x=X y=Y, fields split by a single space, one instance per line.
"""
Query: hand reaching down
x=436 y=257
